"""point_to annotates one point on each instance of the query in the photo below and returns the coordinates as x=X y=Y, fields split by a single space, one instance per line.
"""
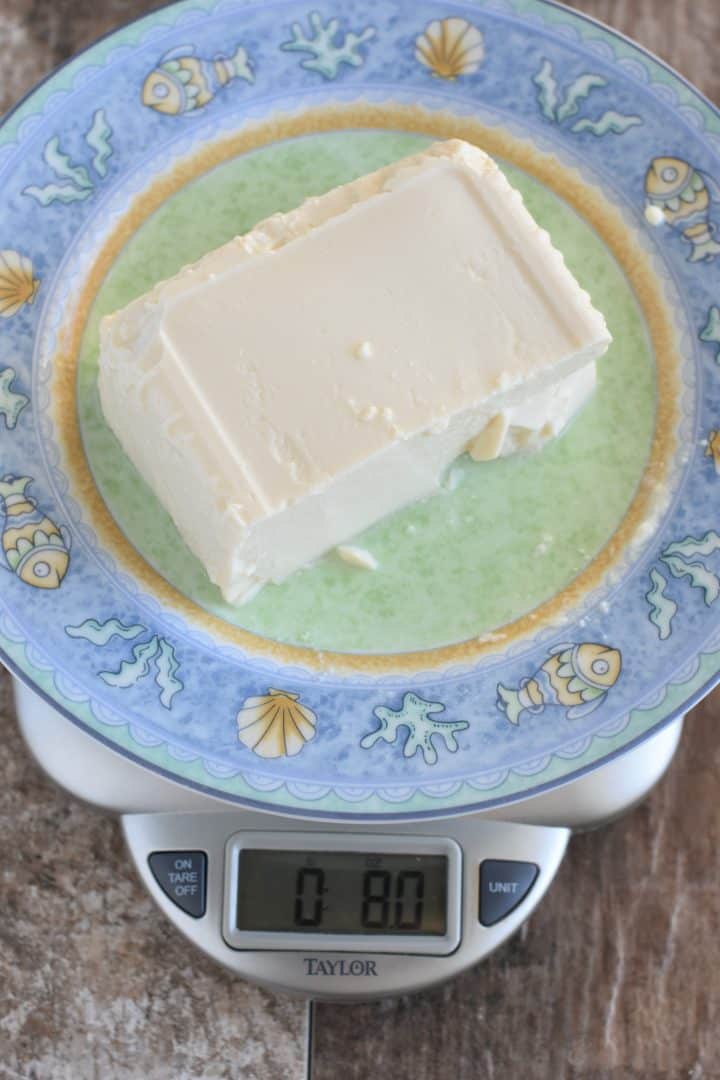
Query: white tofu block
x=303 y=381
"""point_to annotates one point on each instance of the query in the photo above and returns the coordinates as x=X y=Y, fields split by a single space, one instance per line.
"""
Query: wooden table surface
x=615 y=977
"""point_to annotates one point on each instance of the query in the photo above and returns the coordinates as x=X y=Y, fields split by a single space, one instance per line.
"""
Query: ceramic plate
x=533 y=620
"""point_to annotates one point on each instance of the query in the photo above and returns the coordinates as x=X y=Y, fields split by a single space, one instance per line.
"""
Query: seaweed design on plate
x=182 y=83
x=662 y=607
x=275 y=724
x=36 y=550
x=575 y=678
x=328 y=47
x=687 y=561
x=154 y=653
x=711 y=330
x=18 y=287
x=450 y=47
x=75 y=182
x=558 y=106
x=12 y=402
x=416 y=716
x=682 y=194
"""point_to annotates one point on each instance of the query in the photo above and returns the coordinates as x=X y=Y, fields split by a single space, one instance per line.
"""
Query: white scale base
x=160 y=815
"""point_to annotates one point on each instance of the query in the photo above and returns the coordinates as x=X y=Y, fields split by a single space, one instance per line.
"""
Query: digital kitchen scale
x=361 y=782
x=329 y=909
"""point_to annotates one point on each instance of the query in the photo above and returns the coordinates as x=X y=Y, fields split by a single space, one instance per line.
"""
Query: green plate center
x=501 y=539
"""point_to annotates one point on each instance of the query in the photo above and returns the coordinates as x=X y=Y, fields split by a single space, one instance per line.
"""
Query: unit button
x=181 y=875
x=503 y=885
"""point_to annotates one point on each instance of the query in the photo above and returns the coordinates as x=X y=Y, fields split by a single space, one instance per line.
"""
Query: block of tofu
x=314 y=375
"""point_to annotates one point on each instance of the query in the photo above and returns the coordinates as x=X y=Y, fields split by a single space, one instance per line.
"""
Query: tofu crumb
x=452 y=479
x=643 y=532
x=486 y=446
x=364 y=351
x=544 y=546
x=438 y=426
x=654 y=215
x=357 y=556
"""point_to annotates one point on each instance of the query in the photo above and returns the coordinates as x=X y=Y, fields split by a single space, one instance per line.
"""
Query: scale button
x=182 y=875
x=503 y=885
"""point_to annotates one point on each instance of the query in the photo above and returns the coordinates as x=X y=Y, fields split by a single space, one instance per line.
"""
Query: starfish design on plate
x=416 y=715
x=12 y=403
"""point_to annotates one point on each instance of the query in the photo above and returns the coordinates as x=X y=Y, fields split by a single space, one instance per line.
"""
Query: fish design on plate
x=183 y=82
x=17 y=284
x=450 y=47
x=575 y=677
x=275 y=724
x=681 y=192
x=36 y=549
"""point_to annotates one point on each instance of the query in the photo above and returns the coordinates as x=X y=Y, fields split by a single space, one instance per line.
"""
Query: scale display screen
x=341 y=892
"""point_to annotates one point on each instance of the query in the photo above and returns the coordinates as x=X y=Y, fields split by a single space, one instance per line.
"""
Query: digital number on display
x=389 y=902
x=341 y=892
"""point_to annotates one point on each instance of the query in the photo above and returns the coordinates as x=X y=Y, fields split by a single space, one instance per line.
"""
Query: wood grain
x=37 y=36
x=95 y=984
x=684 y=33
x=616 y=977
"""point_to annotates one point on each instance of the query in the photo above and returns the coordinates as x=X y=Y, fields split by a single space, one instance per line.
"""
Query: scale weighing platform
x=328 y=909
x=361 y=782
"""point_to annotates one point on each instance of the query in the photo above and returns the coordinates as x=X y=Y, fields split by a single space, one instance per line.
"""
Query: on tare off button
x=182 y=877
x=504 y=883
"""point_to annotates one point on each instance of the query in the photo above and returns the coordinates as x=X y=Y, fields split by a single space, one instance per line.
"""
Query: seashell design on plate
x=275 y=724
x=713 y=448
x=17 y=284
x=450 y=47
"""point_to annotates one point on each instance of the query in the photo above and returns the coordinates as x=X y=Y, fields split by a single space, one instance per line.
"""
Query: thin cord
x=309 y=1039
